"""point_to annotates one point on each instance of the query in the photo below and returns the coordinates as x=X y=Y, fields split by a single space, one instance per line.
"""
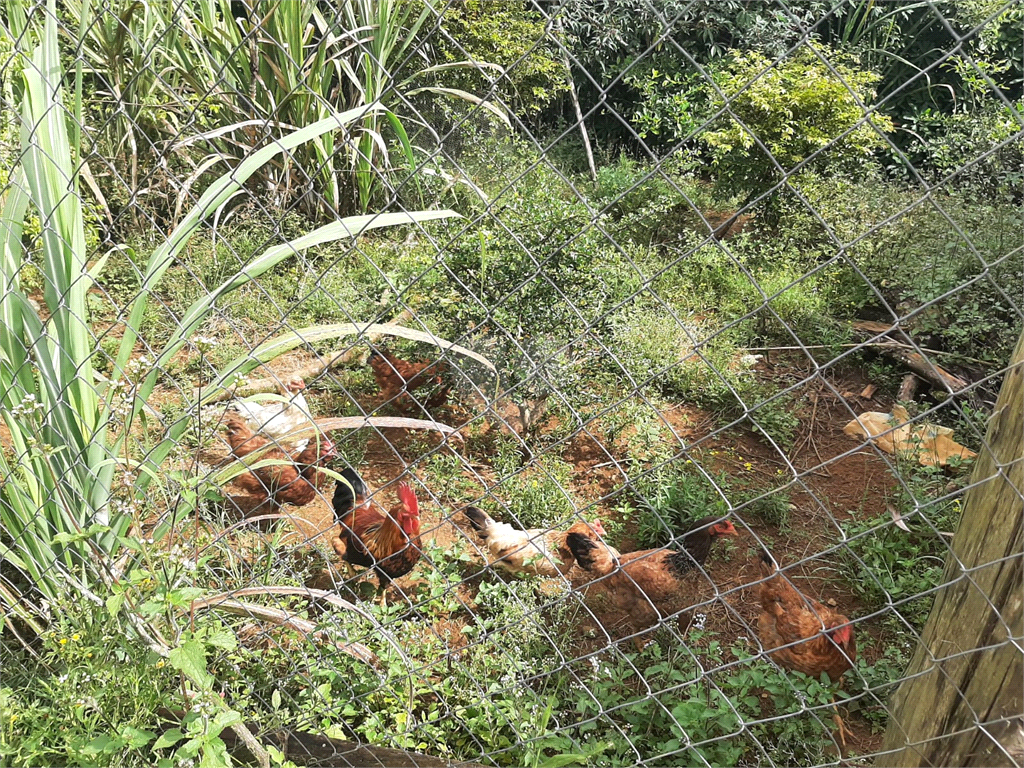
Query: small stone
x=832 y=602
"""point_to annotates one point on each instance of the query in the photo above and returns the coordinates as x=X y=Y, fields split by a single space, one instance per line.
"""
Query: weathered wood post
x=962 y=703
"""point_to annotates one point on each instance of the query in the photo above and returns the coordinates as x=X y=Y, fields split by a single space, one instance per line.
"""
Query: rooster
x=397 y=378
x=296 y=482
x=802 y=634
x=388 y=543
x=278 y=420
x=633 y=592
x=535 y=551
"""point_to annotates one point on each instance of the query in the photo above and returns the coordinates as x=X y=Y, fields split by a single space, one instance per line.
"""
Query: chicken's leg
x=383 y=582
x=839 y=726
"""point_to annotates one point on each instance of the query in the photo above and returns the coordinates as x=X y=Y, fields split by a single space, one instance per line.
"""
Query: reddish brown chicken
x=296 y=482
x=788 y=617
x=633 y=593
x=389 y=543
x=397 y=378
x=818 y=639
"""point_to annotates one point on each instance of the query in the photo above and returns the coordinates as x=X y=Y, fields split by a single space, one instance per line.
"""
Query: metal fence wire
x=520 y=383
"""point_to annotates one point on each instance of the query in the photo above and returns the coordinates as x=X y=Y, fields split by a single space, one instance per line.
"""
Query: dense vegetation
x=766 y=176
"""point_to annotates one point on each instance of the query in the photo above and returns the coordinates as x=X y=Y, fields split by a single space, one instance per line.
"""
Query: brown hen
x=295 y=482
x=634 y=592
x=788 y=617
x=802 y=634
x=397 y=378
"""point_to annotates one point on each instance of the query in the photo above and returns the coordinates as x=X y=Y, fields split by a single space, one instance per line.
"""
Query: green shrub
x=773 y=418
x=649 y=204
x=673 y=497
x=914 y=255
x=539 y=496
x=794 y=108
x=772 y=509
x=944 y=145
x=512 y=36
x=91 y=698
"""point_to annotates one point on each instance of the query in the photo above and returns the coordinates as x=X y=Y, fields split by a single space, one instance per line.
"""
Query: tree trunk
x=576 y=105
x=962 y=703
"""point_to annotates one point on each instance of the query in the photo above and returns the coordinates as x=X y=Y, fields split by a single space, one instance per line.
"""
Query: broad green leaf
x=222 y=638
x=190 y=659
x=135 y=737
x=215 y=754
x=114 y=603
x=224 y=719
x=168 y=738
x=103 y=744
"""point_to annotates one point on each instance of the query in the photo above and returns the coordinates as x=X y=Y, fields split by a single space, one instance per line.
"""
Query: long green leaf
x=218 y=193
x=350 y=227
x=315 y=333
x=490 y=106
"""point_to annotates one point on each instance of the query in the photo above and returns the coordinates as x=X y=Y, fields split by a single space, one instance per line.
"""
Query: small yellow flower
x=63 y=641
x=88 y=655
x=748 y=466
x=76 y=637
x=159 y=664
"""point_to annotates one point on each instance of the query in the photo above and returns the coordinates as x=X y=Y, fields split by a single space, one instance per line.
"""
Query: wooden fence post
x=962 y=703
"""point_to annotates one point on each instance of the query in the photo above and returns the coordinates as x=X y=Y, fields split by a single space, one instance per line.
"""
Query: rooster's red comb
x=408 y=497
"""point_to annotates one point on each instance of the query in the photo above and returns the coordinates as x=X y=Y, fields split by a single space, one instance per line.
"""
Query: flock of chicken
x=630 y=594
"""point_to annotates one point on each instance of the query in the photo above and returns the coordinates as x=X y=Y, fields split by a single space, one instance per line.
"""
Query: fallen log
x=314 y=749
x=908 y=388
x=907 y=354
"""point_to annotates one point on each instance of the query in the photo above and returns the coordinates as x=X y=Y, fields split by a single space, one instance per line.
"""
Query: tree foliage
x=511 y=36
x=780 y=114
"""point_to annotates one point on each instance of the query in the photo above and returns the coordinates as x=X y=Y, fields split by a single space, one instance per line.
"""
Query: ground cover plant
x=200 y=208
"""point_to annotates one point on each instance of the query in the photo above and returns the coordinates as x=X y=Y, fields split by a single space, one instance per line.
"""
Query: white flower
x=204 y=343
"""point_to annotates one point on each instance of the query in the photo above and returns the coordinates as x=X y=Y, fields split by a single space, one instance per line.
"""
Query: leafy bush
x=772 y=509
x=540 y=495
x=675 y=496
x=794 y=109
x=945 y=145
x=915 y=255
x=90 y=699
x=511 y=36
x=783 y=711
x=628 y=46
x=531 y=282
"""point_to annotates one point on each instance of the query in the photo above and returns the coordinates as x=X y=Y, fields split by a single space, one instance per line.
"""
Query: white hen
x=536 y=551
x=276 y=420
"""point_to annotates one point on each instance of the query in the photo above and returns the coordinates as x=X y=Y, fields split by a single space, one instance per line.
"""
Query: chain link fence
x=415 y=383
